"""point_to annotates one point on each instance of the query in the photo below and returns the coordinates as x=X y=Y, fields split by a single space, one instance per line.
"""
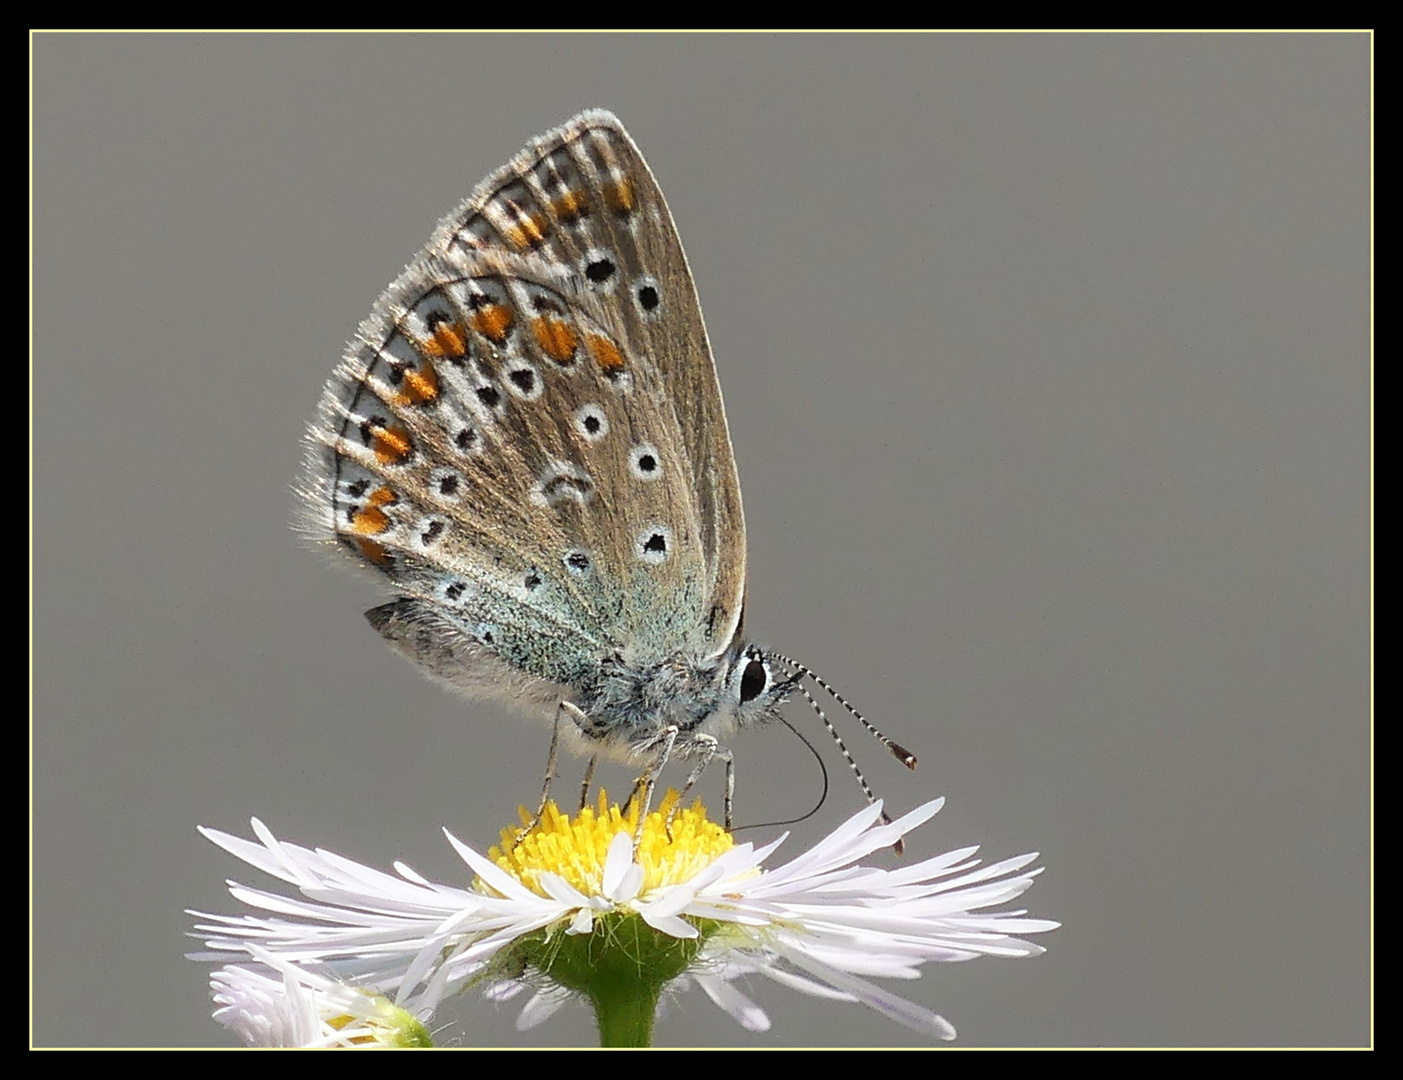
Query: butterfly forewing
x=528 y=431
x=584 y=198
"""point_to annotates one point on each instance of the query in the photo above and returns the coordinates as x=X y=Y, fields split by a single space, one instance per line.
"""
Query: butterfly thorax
x=635 y=701
x=635 y=698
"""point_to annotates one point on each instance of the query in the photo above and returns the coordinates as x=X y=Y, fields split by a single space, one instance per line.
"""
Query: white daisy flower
x=279 y=1004
x=574 y=908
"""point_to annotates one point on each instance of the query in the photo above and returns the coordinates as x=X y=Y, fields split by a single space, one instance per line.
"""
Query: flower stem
x=624 y=1010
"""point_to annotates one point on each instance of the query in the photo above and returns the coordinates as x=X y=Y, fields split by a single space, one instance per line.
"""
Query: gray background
x=1047 y=362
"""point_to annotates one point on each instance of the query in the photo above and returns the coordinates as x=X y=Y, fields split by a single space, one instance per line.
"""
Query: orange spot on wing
x=419 y=387
x=529 y=231
x=570 y=206
x=448 y=341
x=370 y=520
x=392 y=445
x=606 y=354
x=556 y=338
x=619 y=195
x=493 y=321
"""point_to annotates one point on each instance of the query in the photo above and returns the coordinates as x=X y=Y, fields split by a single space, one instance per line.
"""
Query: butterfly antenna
x=898 y=751
x=842 y=746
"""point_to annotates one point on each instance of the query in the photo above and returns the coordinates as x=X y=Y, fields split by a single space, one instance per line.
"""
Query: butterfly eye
x=753 y=681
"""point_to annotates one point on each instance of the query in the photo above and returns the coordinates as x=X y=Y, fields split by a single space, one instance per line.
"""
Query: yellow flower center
x=387 y=1025
x=576 y=848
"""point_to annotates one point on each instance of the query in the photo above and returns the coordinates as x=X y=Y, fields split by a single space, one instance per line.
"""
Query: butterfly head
x=756 y=686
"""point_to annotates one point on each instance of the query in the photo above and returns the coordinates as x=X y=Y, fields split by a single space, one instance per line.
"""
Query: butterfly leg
x=710 y=749
x=644 y=785
x=730 y=761
x=589 y=779
x=564 y=709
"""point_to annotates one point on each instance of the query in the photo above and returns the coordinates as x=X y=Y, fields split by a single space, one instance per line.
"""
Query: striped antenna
x=897 y=750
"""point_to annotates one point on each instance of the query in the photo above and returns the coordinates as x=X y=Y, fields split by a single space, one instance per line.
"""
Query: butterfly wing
x=527 y=435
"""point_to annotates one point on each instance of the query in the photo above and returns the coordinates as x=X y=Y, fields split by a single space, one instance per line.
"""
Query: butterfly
x=526 y=438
